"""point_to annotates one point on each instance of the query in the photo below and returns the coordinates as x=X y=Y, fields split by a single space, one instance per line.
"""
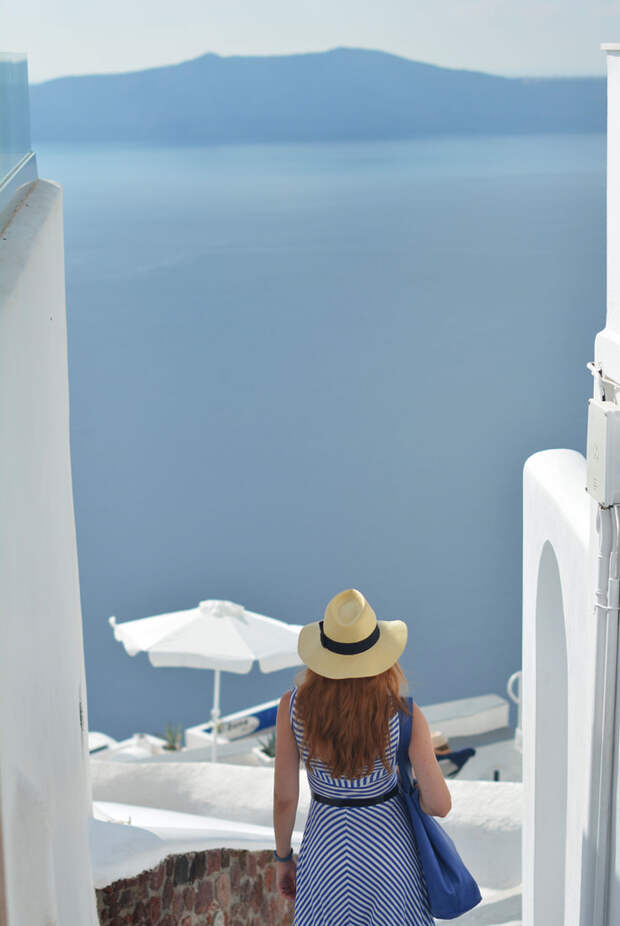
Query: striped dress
x=358 y=866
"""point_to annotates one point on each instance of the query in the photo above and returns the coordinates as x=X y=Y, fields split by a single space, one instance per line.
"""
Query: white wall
x=485 y=820
x=44 y=769
x=559 y=651
x=565 y=658
x=607 y=353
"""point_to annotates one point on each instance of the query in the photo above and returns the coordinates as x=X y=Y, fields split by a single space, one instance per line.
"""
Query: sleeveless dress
x=358 y=866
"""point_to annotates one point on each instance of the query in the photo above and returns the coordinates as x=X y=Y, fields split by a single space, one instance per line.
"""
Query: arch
x=551 y=744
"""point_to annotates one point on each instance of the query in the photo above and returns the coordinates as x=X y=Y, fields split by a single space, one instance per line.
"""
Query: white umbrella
x=219 y=635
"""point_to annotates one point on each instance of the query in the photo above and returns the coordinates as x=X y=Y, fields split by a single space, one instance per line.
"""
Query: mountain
x=346 y=93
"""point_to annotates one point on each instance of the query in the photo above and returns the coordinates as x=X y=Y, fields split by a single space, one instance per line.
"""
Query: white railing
x=514 y=682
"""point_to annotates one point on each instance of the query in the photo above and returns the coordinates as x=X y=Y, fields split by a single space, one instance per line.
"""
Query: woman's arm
x=286 y=778
x=434 y=793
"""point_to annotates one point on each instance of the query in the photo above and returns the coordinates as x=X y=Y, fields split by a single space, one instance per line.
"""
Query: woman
x=358 y=863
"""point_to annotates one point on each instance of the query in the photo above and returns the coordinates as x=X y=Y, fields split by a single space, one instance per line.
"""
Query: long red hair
x=345 y=720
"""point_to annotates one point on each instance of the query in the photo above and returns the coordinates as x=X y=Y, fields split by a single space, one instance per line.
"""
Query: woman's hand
x=286 y=875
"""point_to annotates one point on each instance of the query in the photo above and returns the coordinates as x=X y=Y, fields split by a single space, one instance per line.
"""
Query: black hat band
x=348 y=649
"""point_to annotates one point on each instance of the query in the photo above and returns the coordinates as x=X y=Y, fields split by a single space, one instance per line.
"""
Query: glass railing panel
x=17 y=162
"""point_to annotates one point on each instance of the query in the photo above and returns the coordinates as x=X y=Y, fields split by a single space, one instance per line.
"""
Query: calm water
x=295 y=369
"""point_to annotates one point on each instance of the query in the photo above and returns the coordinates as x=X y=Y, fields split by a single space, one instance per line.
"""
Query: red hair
x=346 y=720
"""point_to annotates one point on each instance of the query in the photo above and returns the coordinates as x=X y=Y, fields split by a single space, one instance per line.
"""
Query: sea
x=295 y=369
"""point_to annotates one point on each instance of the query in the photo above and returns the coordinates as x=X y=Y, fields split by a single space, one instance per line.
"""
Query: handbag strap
x=404 y=763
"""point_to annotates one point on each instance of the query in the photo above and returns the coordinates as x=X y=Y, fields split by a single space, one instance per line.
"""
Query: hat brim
x=391 y=643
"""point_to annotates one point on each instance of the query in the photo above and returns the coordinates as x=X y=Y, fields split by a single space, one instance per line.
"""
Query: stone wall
x=217 y=887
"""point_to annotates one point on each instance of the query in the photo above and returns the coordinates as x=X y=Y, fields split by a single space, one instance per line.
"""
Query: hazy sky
x=526 y=37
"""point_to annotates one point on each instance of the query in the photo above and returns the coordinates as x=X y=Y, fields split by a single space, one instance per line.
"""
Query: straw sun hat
x=350 y=642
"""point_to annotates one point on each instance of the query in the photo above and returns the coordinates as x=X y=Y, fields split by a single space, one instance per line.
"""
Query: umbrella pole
x=215 y=713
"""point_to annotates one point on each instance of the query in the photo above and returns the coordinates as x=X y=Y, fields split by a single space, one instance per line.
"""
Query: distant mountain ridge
x=343 y=94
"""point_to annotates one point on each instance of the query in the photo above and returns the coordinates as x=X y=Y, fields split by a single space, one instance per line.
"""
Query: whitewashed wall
x=607 y=353
x=571 y=873
x=558 y=673
x=44 y=771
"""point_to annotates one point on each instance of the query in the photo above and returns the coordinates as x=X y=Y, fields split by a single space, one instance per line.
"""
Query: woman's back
x=320 y=779
x=357 y=864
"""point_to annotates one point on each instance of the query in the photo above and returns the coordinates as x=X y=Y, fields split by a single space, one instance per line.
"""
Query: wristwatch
x=285 y=858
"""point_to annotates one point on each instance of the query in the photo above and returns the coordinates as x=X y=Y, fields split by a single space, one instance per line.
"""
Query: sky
x=509 y=37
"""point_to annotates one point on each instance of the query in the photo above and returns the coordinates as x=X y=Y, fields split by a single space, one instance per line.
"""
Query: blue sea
x=301 y=368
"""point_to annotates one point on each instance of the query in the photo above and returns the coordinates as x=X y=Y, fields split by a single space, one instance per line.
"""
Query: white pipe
x=605 y=530
x=613 y=186
x=607 y=612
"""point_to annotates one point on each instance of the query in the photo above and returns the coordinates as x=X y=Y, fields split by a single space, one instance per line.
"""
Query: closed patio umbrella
x=219 y=635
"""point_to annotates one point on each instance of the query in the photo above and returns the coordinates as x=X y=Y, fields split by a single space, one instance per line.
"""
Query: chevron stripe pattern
x=358 y=866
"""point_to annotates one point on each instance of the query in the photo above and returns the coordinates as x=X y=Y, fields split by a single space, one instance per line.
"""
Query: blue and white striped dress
x=358 y=866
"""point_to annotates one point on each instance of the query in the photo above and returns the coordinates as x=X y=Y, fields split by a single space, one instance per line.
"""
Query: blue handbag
x=451 y=888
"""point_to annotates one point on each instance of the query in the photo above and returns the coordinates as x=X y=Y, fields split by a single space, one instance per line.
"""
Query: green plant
x=269 y=747
x=173 y=739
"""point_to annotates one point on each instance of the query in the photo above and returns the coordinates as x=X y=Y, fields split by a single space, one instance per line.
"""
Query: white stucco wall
x=484 y=822
x=559 y=652
x=44 y=766
x=607 y=353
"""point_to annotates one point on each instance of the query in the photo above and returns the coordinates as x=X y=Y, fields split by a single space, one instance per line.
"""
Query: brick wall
x=217 y=887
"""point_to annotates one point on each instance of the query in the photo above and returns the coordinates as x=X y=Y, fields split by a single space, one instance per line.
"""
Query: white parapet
x=484 y=822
